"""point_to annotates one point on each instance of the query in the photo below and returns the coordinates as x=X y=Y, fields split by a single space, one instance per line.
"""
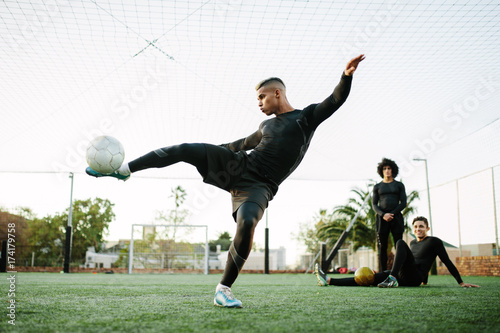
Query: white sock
x=220 y=286
x=124 y=170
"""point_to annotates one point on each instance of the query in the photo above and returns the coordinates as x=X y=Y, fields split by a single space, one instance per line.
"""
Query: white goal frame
x=131 y=246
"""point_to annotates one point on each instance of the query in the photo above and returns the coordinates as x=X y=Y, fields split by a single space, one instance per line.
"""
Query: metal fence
x=465 y=210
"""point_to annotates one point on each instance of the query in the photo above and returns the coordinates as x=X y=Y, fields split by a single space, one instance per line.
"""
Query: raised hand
x=353 y=64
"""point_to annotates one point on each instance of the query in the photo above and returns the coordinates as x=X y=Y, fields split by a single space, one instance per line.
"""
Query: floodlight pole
x=495 y=210
x=266 y=247
x=434 y=266
x=458 y=220
x=207 y=269
x=428 y=190
x=131 y=251
x=67 y=251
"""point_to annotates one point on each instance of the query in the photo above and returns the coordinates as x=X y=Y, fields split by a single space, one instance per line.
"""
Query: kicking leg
x=247 y=217
x=192 y=153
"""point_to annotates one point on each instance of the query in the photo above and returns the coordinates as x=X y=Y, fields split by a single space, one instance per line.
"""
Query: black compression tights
x=403 y=268
x=192 y=153
x=383 y=243
x=350 y=282
x=247 y=217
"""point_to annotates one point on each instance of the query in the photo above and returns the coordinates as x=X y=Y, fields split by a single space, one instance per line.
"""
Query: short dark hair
x=389 y=163
x=267 y=81
x=420 y=218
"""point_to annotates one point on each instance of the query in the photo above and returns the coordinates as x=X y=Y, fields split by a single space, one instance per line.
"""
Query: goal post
x=326 y=259
x=168 y=248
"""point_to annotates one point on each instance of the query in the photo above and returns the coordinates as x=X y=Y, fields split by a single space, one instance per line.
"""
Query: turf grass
x=49 y=302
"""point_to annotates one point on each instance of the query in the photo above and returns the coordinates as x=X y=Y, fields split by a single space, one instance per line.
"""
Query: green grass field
x=47 y=302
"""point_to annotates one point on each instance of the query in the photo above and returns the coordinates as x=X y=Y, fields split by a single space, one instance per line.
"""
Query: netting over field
x=157 y=73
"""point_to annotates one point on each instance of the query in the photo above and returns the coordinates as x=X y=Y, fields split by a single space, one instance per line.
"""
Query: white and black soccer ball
x=105 y=154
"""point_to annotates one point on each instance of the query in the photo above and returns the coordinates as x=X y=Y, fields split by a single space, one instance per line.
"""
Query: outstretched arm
x=339 y=95
x=443 y=255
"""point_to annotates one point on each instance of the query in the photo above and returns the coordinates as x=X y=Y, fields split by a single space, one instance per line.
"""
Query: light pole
x=428 y=190
x=67 y=251
x=434 y=266
x=266 y=247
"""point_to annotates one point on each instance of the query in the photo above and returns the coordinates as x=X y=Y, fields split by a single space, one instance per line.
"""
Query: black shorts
x=233 y=172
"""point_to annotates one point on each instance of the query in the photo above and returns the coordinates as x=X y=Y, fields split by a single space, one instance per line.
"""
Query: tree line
x=44 y=239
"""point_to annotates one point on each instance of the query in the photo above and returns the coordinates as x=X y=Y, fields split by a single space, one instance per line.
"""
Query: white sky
x=156 y=73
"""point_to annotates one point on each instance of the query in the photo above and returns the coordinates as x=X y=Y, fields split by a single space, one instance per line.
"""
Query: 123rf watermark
x=11 y=270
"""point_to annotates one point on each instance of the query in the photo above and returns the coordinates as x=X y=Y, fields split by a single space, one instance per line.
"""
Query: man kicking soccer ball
x=278 y=147
x=411 y=264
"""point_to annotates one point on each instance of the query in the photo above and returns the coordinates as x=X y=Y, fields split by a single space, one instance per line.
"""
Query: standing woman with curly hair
x=389 y=200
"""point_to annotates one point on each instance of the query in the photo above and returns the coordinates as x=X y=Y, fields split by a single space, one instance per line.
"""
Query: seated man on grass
x=411 y=264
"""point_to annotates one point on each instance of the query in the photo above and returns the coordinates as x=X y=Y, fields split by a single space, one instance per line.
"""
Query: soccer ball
x=105 y=154
x=364 y=276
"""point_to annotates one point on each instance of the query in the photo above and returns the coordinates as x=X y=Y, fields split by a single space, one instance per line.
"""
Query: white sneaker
x=224 y=297
x=390 y=282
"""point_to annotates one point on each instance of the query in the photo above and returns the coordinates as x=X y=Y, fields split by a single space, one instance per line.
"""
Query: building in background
x=256 y=260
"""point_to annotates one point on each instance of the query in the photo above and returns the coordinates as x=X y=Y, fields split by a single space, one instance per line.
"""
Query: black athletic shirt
x=280 y=143
x=425 y=253
x=389 y=197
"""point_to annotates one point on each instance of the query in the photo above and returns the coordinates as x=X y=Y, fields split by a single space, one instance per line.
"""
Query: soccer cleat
x=321 y=276
x=224 y=297
x=390 y=282
x=116 y=174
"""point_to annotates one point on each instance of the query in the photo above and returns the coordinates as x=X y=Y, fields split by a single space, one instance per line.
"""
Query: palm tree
x=363 y=233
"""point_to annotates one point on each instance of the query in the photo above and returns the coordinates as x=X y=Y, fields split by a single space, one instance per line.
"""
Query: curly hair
x=420 y=218
x=390 y=163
